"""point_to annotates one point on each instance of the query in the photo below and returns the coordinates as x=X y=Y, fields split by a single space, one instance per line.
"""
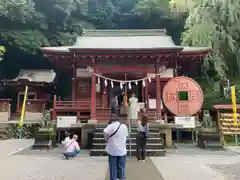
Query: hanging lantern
x=112 y=84
x=149 y=80
x=105 y=82
x=129 y=85
x=121 y=85
x=143 y=83
x=136 y=82
x=98 y=80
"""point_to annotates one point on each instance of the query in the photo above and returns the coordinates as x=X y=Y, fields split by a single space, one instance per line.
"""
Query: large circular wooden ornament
x=192 y=100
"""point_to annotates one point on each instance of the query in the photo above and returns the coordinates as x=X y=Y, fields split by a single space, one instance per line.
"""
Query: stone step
x=133 y=146
x=149 y=152
x=133 y=129
x=133 y=134
x=133 y=140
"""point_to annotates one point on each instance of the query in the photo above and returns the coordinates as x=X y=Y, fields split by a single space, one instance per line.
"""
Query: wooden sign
x=186 y=122
x=66 y=121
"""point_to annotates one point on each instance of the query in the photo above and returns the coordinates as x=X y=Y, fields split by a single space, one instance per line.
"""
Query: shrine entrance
x=115 y=89
x=120 y=93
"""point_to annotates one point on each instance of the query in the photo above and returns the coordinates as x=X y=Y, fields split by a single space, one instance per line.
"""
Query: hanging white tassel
x=143 y=83
x=129 y=86
x=98 y=80
x=112 y=84
x=105 y=82
x=121 y=85
x=136 y=82
x=149 y=80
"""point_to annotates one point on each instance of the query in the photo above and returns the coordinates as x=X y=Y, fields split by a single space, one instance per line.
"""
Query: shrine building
x=109 y=63
x=40 y=84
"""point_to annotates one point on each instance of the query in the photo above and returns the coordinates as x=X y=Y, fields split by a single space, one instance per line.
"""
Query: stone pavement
x=13 y=145
x=141 y=170
x=183 y=163
x=19 y=167
x=188 y=163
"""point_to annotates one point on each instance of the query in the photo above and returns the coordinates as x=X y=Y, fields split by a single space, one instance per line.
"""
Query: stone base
x=92 y=121
x=149 y=152
x=160 y=121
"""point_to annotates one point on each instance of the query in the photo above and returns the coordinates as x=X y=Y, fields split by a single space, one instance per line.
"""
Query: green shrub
x=28 y=131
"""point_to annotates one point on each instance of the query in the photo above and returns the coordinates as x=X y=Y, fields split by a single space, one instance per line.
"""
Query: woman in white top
x=72 y=148
x=141 y=138
x=133 y=108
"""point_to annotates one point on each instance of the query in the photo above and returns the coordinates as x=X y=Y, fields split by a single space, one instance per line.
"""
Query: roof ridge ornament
x=125 y=32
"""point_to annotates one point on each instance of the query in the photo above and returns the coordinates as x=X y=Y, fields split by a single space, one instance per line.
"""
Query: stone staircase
x=155 y=144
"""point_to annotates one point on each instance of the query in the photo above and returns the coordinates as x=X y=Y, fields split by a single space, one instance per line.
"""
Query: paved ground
x=141 y=170
x=184 y=163
x=13 y=145
x=190 y=163
x=46 y=168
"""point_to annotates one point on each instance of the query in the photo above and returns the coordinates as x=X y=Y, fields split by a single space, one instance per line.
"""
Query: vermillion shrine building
x=108 y=63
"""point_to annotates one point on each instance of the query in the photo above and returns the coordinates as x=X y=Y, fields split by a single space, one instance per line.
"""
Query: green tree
x=31 y=24
x=216 y=24
x=2 y=51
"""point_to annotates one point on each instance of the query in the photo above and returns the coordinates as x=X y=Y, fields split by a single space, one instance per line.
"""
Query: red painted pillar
x=146 y=94
x=158 y=93
x=93 y=95
x=18 y=102
x=104 y=95
x=74 y=84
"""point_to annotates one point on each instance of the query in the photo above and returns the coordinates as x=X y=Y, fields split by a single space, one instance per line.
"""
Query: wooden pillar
x=146 y=94
x=74 y=83
x=18 y=102
x=104 y=95
x=143 y=94
x=158 y=92
x=93 y=96
x=175 y=69
x=54 y=114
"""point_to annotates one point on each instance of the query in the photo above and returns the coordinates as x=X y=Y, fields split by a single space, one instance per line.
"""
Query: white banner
x=152 y=104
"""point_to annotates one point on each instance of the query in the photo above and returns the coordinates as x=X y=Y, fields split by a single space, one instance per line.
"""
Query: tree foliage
x=216 y=24
x=30 y=24
x=2 y=51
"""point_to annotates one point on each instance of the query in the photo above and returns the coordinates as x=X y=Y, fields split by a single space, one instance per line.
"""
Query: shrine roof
x=36 y=76
x=126 y=39
x=194 y=50
x=120 y=39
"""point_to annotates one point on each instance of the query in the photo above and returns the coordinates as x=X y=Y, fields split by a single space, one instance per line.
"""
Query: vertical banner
x=23 y=111
x=234 y=105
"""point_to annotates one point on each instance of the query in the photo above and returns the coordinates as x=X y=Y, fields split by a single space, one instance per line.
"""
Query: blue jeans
x=117 y=167
x=71 y=154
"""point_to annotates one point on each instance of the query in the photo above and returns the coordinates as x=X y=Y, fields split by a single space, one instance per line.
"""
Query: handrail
x=75 y=104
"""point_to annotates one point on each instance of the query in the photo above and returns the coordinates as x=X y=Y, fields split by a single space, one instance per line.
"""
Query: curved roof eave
x=195 y=50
